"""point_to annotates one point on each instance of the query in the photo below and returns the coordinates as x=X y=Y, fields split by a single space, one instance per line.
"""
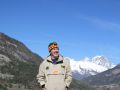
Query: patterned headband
x=52 y=46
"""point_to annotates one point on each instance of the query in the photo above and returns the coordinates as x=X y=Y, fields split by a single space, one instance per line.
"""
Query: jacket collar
x=59 y=59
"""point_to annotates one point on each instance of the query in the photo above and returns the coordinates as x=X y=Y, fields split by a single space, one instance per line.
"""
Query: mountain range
x=87 y=67
x=109 y=77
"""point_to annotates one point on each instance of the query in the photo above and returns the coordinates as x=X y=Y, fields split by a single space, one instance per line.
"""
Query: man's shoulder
x=44 y=61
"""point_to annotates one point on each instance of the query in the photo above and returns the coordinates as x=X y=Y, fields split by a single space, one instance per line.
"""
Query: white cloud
x=101 y=23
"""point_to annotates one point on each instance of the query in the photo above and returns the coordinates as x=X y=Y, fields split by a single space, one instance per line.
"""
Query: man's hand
x=43 y=86
x=67 y=87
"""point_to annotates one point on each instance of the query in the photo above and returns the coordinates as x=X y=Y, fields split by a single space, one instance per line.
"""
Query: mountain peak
x=1 y=35
x=102 y=60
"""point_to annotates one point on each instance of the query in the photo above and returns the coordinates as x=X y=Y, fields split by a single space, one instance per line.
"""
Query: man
x=54 y=72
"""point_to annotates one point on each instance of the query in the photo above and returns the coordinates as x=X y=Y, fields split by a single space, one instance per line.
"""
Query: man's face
x=54 y=52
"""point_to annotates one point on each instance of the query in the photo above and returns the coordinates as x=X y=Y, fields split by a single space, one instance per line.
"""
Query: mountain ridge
x=87 y=67
x=109 y=77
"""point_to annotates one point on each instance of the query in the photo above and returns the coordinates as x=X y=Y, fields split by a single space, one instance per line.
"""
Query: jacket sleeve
x=68 y=77
x=41 y=74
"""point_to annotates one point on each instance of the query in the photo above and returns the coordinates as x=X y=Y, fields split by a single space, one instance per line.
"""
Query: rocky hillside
x=109 y=77
x=12 y=47
x=18 y=65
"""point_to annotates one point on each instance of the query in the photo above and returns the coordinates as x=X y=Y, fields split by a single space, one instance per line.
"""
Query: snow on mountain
x=87 y=66
x=103 y=61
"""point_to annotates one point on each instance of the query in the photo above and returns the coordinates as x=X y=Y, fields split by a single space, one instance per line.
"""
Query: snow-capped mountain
x=103 y=61
x=87 y=67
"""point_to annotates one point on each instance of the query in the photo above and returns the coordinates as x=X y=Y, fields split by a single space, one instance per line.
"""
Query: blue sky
x=82 y=28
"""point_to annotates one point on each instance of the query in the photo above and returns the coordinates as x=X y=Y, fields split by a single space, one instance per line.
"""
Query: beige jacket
x=55 y=76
